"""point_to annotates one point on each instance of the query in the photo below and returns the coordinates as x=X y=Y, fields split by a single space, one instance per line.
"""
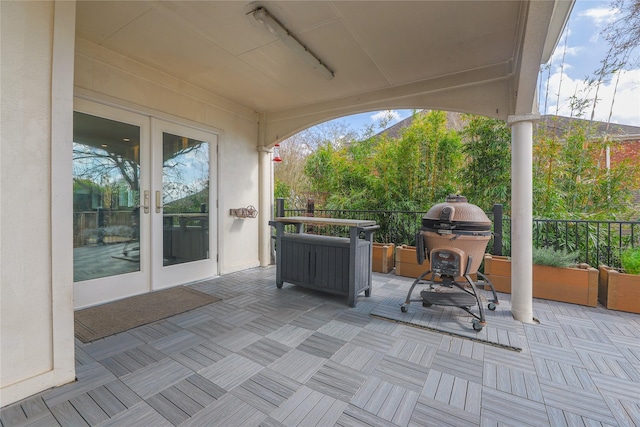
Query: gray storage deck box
x=333 y=264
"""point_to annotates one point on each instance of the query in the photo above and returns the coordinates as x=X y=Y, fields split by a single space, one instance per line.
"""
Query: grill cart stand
x=455 y=235
x=449 y=265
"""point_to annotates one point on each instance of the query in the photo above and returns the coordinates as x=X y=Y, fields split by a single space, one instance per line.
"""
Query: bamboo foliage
x=486 y=177
x=409 y=172
x=427 y=161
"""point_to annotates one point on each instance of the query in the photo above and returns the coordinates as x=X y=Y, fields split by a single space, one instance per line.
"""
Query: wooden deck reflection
x=268 y=357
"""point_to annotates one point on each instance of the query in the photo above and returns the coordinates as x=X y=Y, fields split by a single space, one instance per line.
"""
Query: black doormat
x=500 y=330
x=108 y=319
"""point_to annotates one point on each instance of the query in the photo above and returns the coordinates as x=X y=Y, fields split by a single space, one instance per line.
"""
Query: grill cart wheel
x=477 y=325
x=404 y=308
x=491 y=306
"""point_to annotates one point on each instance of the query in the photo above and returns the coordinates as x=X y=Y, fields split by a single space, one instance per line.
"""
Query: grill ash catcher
x=454 y=237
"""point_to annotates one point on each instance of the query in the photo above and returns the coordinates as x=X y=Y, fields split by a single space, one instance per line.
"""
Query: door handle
x=145 y=201
x=158 y=202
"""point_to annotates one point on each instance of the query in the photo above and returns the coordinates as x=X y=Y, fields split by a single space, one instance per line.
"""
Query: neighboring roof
x=558 y=123
x=561 y=125
x=454 y=121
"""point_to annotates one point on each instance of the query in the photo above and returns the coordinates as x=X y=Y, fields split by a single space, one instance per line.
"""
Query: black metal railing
x=399 y=227
x=596 y=242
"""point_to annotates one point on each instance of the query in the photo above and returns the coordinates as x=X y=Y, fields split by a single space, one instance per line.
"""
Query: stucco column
x=522 y=216
x=265 y=208
x=36 y=263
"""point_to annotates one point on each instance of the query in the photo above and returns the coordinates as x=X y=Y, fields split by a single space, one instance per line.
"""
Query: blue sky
x=583 y=50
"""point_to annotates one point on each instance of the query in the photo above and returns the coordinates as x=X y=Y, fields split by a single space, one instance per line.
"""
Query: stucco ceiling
x=383 y=53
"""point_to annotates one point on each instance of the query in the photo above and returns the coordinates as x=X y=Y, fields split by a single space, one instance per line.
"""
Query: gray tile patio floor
x=268 y=357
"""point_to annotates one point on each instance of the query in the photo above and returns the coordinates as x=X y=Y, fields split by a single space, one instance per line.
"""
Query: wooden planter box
x=572 y=285
x=619 y=291
x=498 y=270
x=407 y=263
x=383 y=261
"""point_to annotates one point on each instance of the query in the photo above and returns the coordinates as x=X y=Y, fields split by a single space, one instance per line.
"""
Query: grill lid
x=456 y=214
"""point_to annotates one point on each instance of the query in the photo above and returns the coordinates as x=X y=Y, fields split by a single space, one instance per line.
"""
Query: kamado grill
x=454 y=236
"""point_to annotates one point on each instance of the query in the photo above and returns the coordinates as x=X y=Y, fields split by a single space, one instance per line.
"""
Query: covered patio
x=270 y=357
x=238 y=77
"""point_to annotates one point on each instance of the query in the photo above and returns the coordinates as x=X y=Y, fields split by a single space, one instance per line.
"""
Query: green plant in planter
x=630 y=260
x=554 y=257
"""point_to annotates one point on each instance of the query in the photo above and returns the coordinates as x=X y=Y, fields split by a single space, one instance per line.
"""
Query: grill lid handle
x=447 y=213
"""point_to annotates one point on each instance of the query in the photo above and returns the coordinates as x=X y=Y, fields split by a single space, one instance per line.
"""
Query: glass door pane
x=184 y=215
x=185 y=199
x=106 y=195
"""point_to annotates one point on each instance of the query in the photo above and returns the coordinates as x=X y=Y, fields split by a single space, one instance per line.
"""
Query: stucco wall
x=109 y=77
x=36 y=283
x=36 y=312
x=238 y=186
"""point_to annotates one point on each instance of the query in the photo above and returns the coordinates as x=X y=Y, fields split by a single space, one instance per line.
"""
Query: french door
x=184 y=211
x=144 y=196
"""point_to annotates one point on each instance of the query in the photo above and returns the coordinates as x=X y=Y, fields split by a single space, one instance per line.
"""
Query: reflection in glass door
x=184 y=215
x=106 y=194
x=185 y=199
x=142 y=195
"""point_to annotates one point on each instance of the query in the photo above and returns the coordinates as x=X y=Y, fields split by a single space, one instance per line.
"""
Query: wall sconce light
x=276 y=153
x=274 y=27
